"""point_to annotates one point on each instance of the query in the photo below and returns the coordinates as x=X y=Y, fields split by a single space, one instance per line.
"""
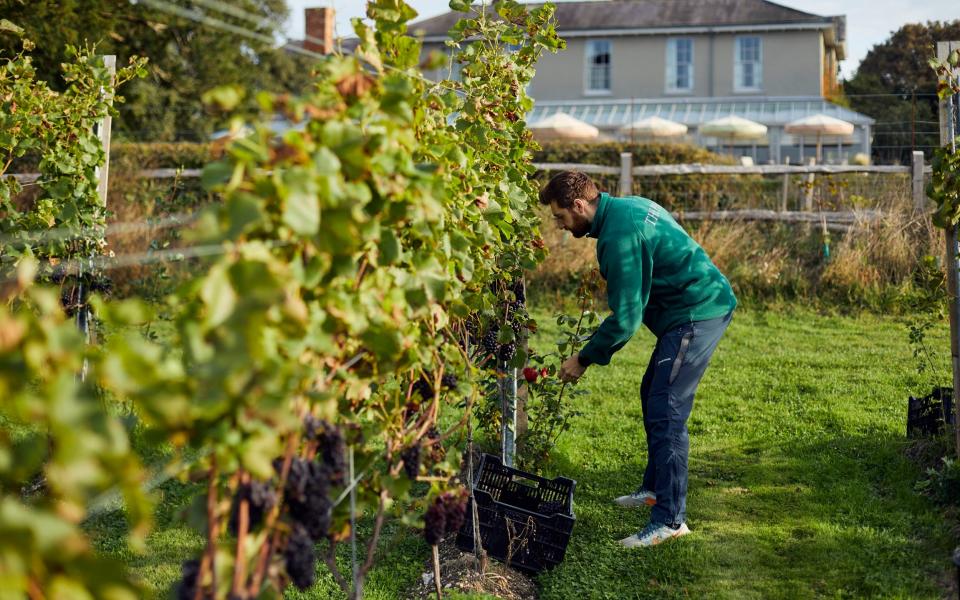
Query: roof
x=637 y=14
x=772 y=112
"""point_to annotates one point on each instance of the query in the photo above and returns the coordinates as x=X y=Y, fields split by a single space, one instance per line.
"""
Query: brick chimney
x=319 y=30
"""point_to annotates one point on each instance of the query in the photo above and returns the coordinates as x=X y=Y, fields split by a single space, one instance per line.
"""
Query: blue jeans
x=678 y=362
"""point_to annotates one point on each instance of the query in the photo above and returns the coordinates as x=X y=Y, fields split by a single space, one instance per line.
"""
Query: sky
x=869 y=22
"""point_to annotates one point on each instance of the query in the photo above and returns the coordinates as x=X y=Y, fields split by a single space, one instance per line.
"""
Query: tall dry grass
x=871 y=265
x=134 y=200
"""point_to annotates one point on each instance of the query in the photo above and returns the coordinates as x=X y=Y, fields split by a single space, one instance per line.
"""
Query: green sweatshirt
x=656 y=275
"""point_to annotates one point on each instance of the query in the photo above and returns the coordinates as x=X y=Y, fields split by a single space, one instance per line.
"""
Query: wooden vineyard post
x=626 y=174
x=948 y=133
x=786 y=187
x=808 y=196
x=919 y=193
x=103 y=132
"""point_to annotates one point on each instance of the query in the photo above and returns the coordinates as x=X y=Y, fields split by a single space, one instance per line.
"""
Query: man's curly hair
x=567 y=186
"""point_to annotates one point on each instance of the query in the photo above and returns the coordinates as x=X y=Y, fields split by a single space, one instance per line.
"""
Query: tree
x=187 y=58
x=895 y=85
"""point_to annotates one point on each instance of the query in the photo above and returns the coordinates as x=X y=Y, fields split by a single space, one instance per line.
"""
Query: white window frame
x=588 y=55
x=670 y=69
x=738 y=65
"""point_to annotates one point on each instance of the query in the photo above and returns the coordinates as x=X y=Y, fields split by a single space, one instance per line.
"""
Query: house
x=693 y=61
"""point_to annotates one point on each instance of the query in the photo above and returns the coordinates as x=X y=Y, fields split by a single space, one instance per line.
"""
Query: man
x=657 y=275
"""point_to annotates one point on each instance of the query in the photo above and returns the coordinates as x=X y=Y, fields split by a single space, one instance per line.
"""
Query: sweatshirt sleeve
x=627 y=265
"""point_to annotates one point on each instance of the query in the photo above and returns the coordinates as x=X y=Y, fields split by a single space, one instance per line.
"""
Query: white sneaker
x=653 y=534
x=638 y=498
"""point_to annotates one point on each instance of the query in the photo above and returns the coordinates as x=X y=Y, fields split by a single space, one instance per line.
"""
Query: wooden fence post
x=786 y=186
x=808 y=197
x=103 y=131
x=948 y=131
x=919 y=193
x=626 y=174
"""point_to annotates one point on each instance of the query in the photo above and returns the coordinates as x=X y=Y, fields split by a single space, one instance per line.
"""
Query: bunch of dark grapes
x=190 y=572
x=300 y=558
x=435 y=523
x=448 y=381
x=260 y=497
x=307 y=494
x=411 y=460
x=58 y=274
x=333 y=453
x=101 y=284
x=312 y=427
x=456 y=505
x=472 y=326
x=423 y=388
x=506 y=352
x=330 y=445
x=519 y=291
x=70 y=299
x=437 y=452
x=445 y=515
x=489 y=342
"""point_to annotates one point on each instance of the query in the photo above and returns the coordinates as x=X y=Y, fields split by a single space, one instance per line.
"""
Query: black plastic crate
x=925 y=415
x=525 y=520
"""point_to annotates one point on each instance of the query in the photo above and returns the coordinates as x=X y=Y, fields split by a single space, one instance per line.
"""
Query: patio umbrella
x=734 y=128
x=654 y=127
x=561 y=126
x=818 y=125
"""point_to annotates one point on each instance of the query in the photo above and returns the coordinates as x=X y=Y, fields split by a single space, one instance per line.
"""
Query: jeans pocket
x=678 y=362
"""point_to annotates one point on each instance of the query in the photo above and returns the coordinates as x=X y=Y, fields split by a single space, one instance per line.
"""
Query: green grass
x=798 y=483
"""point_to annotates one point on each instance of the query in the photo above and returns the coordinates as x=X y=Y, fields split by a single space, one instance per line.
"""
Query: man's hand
x=571 y=370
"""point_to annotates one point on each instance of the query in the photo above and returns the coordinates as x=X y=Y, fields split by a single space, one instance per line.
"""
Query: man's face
x=573 y=219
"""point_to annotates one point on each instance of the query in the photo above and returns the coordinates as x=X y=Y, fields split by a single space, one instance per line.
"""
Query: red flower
x=530 y=374
x=543 y=372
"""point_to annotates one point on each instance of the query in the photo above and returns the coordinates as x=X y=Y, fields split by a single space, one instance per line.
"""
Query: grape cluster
x=437 y=451
x=514 y=315
x=307 y=494
x=506 y=352
x=331 y=446
x=70 y=300
x=190 y=572
x=519 y=291
x=445 y=515
x=260 y=497
x=473 y=329
x=300 y=558
x=74 y=295
x=411 y=460
x=423 y=388
x=434 y=523
x=489 y=342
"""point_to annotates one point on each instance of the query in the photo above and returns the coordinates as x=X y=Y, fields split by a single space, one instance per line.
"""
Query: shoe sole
x=684 y=530
x=631 y=503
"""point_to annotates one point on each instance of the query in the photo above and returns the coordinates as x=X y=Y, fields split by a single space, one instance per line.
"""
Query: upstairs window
x=679 y=75
x=598 y=66
x=748 y=65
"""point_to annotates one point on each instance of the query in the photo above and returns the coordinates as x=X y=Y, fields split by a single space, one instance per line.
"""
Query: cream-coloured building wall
x=792 y=66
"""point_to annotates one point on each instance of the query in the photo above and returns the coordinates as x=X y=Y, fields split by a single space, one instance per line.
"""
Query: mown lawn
x=798 y=483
